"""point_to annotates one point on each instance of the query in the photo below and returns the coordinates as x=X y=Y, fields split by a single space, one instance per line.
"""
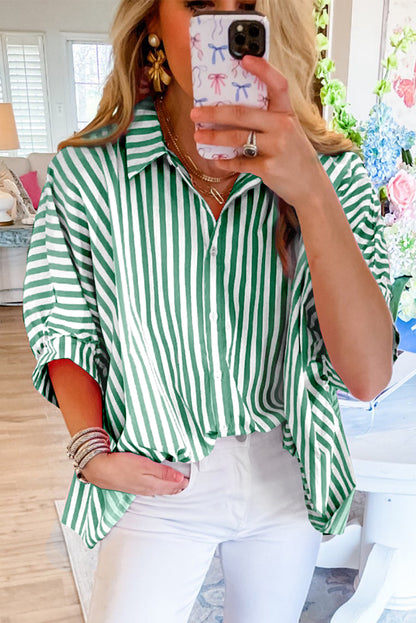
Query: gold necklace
x=194 y=173
x=209 y=192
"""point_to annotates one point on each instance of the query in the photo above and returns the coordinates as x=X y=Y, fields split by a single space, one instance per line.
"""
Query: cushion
x=18 y=164
x=31 y=184
x=24 y=197
x=11 y=183
x=39 y=162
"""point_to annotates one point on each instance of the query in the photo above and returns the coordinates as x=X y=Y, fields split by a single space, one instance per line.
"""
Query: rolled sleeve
x=59 y=303
x=361 y=205
x=362 y=208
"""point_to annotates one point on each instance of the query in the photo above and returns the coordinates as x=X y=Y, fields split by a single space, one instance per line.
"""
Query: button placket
x=213 y=315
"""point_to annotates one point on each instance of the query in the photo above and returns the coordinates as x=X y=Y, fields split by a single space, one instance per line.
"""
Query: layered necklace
x=201 y=182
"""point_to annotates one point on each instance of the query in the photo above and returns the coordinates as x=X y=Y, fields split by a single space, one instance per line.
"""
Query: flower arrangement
x=386 y=148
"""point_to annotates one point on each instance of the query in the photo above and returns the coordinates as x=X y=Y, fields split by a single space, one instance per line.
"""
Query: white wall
x=357 y=37
x=53 y=18
x=340 y=12
x=367 y=28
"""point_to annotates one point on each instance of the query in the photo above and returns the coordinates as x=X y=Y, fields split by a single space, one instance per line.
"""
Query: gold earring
x=156 y=73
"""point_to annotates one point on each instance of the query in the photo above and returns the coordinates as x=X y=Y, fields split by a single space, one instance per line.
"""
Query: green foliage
x=400 y=42
x=324 y=67
x=382 y=87
x=322 y=42
x=343 y=121
x=390 y=62
x=333 y=91
x=407 y=157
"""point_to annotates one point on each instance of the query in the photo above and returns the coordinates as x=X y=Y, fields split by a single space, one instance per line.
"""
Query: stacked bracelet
x=85 y=445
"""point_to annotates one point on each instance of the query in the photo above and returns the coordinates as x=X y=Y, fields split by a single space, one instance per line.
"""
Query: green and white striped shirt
x=187 y=323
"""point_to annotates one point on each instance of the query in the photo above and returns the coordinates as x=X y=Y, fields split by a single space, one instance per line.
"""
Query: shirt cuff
x=87 y=355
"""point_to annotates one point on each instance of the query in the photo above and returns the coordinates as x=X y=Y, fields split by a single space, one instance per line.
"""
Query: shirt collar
x=145 y=143
x=144 y=139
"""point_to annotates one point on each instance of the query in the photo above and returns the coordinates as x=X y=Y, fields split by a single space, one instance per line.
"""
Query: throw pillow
x=24 y=197
x=10 y=183
x=31 y=184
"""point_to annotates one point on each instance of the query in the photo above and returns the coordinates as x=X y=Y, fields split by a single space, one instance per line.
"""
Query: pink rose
x=401 y=190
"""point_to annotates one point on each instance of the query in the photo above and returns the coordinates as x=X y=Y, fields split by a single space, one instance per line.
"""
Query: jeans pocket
x=189 y=470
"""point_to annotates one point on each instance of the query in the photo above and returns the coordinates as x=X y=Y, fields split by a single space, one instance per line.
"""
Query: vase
x=407 y=334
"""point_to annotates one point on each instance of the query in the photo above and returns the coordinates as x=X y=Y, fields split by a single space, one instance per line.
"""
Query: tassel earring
x=156 y=73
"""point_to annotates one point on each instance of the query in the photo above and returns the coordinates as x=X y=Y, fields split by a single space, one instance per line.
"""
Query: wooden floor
x=36 y=583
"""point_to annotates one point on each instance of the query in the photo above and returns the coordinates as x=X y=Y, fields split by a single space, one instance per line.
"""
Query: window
x=23 y=83
x=91 y=64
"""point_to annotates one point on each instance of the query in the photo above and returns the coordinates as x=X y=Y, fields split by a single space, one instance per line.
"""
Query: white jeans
x=246 y=497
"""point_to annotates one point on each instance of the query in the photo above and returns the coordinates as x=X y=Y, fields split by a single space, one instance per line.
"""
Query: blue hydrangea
x=383 y=144
x=406 y=138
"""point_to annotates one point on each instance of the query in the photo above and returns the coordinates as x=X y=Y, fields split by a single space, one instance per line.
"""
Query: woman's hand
x=287 y=163
x=360 y=349
x=131 y=473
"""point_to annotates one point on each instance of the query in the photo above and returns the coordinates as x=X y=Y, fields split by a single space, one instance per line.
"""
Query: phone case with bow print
x=217 y=76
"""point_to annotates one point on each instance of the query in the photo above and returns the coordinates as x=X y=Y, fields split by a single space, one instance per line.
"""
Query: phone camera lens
x=240 y=39
x=253 y=31
x=254 y=48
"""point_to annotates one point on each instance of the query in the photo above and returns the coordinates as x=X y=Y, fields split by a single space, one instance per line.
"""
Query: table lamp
x=8 y=140
x=8 y=133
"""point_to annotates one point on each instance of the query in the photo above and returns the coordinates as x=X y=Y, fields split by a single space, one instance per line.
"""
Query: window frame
x=26 y=38
x=70 y=38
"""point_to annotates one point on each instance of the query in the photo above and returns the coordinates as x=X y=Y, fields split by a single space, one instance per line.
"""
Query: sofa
x=14 y=239
x=33 y=162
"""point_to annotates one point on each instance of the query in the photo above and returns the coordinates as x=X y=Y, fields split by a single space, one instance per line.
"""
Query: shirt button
x=217 y=375
x=213 y=317
x=214 y=251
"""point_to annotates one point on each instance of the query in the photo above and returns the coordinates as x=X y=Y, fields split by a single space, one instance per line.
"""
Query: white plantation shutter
x=25 y=87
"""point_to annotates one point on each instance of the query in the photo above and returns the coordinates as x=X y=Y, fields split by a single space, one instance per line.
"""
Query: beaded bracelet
x=90 y=435
x=85 y=445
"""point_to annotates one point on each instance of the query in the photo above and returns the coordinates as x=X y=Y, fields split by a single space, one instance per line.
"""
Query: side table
x=382 y=443
x=14 y=240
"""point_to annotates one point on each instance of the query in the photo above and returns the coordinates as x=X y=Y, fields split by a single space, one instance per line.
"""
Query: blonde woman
x=193 y=319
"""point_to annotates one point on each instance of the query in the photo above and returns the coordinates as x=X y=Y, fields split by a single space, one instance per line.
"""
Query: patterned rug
x=330 y=588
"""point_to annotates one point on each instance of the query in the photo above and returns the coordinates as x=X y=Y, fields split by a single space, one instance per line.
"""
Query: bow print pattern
x=241 y=87
x=200 y=101
x=217 y=81
x=263 y=101
x=217 y=77
x=215 y=50
x=237 y=68
x=196 y=44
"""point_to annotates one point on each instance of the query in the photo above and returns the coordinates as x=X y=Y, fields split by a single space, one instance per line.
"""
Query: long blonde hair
x=292 y=51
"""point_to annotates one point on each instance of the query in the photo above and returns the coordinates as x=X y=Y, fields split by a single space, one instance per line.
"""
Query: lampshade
x=8 y=132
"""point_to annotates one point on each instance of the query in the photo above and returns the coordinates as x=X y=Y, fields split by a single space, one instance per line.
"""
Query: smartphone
x=219 y=40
